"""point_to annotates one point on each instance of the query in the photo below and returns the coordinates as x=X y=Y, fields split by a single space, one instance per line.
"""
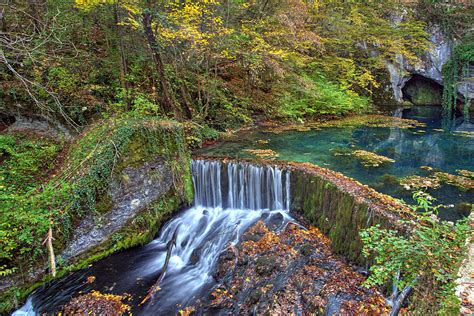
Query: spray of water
x=229 y=198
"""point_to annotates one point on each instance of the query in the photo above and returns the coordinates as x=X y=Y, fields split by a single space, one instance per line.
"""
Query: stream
x=227 y=202
x=412 y=149
x=239 y=206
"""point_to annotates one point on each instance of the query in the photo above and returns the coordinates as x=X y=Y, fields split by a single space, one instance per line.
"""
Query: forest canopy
x=223 y=63
x=97 y=86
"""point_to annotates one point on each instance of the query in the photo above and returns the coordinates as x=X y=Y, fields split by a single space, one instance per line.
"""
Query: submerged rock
x=419 y=183
x=275 y=221
x=370 y=159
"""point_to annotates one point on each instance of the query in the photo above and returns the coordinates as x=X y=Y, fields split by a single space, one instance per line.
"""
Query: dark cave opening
x=420 y=90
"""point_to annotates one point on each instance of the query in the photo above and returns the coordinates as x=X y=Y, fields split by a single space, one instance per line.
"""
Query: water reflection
x=411 y=149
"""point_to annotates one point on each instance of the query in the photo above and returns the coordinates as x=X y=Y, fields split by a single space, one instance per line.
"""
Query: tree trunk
x=167 y=102
x=186 y=101
x=123 y=61
x=3 y=23
x=398 y=303
x=35 y=15
x=169 y=248
x=186 y=104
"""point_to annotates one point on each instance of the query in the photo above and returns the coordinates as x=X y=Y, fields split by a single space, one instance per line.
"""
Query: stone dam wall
x=339 y=206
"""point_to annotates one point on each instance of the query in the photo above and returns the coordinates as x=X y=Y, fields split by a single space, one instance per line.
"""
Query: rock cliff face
x=149 y=180
x=129 y=193
x=430 y=68
x=422 y=84
x=40 y=125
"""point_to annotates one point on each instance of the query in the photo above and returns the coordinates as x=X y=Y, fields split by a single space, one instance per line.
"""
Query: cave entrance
x=420 y=90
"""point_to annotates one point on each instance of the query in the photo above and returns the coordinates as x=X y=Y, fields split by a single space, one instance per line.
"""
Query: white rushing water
x=229 y=198
x=248 y=187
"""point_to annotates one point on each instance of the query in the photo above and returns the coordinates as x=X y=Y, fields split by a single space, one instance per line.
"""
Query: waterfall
x=207 y=183
x=240 y=186
x=229 y=198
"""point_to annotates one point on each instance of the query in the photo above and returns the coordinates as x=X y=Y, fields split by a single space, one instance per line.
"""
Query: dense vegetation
x=108 y=70
x=216 y=62
x=455 y=72
x=37 y=197
x=426 y=261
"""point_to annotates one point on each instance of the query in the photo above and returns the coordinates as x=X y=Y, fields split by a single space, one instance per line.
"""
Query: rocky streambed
x=239 y=250
x=291 y=272
x=278 y=267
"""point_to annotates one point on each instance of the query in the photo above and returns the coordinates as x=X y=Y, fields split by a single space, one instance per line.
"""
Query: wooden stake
x=48 y=240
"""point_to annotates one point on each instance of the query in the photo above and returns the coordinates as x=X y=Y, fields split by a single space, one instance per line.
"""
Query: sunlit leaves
x=89 y=4
x=360 y=37
x=194 y=24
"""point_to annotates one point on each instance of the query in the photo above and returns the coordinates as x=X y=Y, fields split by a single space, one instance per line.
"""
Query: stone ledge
x=337 y=205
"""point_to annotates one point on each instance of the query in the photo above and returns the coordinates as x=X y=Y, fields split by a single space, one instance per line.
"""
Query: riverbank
x=242 y=220
x=111 y=190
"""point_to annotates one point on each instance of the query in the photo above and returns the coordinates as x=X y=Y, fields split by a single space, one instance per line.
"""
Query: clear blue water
x=410 y=148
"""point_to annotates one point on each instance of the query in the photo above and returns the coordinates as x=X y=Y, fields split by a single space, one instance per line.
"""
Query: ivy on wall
x=454 y=71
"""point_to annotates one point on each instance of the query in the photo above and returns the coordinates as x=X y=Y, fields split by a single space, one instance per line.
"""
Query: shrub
x=312 y=94
x=427 y=259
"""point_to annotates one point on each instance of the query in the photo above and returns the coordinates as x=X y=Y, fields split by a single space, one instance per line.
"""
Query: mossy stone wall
x=338 y=208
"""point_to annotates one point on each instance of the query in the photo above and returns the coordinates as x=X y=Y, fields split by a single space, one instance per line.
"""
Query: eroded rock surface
x=130 y=193
x=430 y=67
x=41 y=126
x=293 y=272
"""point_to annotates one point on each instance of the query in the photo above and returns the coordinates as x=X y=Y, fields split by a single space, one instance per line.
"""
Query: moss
x=104 y=203
x=119 y=144
x=370 y=159
x=346 y=122
x=455 y=71
x=382 y=95
x=262 y=153
x=339 y=214
x=25 y=160
x=422 y=91
x=463 y=183
x=197 y=135
x=99 y=154
x=388 y=179
x=136 y=154
x=188 y=187
x=466 y=173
